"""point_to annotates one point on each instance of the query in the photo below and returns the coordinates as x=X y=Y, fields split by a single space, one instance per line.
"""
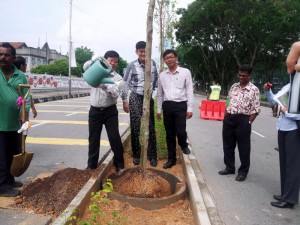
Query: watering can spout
x=97 y=72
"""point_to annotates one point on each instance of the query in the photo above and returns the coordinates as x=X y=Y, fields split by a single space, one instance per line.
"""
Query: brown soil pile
x=52 y=195
x=137 y=183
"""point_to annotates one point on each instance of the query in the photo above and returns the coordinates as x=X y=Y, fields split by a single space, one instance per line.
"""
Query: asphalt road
x=248 y=202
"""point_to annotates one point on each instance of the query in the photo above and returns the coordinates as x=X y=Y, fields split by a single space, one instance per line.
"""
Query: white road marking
x=71 y=114
x=35 y=125
x=258 y=134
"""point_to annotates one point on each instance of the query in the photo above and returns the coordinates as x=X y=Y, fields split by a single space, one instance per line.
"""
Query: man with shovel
x=10 y=78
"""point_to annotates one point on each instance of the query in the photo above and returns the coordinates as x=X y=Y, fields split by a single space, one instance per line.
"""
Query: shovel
x=21 y=161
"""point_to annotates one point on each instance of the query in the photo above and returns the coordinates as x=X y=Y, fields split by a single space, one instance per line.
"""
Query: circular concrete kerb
x=177 y=185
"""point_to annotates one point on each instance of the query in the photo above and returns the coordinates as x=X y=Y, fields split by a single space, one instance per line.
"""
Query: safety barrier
x=212 y=110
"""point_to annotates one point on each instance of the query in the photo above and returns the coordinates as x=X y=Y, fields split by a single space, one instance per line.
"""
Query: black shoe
x=119 y=170
x=90 y=168
x=277 y=197
x=8 y=191
x=281 y=204
x=186 y=150
x=153 y=162
x=240 y=177
x=169 y=164
x=226 y=172
x=136 y=161
x=16 y=184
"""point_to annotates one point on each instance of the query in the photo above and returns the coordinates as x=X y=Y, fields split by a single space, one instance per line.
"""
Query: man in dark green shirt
x=10 y=78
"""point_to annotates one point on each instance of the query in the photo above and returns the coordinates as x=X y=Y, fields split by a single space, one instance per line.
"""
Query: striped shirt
x=135 y=77
x=177 y=87
x=243 y=100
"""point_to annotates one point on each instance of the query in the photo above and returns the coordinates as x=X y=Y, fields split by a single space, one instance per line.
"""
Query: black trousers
x=237 y=131
x=289 y=161
x=108 y=117
x=175 y=125
x=136 y=112
x=9 y=146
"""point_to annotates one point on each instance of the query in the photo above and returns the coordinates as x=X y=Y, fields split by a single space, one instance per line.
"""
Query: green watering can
x=98 y=73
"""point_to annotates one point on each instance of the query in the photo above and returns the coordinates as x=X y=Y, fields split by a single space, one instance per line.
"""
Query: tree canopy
x=217 y=36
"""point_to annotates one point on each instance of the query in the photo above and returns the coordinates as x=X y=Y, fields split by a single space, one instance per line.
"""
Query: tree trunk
x=147 y=88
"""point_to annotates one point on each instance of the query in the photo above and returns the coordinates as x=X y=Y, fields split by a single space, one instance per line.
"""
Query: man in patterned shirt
x=135 y=79
x=242 y=110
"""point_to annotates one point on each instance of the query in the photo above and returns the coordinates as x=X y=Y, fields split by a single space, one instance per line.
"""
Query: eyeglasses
x=169 y=57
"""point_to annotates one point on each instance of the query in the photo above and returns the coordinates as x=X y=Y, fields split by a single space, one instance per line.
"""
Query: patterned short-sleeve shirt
x=244 y=100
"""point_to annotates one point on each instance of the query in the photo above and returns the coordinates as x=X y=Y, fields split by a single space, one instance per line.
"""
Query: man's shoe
x=240 y=177
x=226 y=172
x=16 y=184
x=277 y=197
x=281 y=204
x=136 y=161
x=169 y=164
x=119 y=170
x=8 y=191
x=186 y=150
x=153 y=162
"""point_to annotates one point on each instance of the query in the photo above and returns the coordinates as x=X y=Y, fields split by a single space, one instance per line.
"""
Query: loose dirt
x=51 y=195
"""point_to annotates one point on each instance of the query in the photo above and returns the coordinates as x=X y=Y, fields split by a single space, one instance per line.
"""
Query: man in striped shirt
x=135 y=79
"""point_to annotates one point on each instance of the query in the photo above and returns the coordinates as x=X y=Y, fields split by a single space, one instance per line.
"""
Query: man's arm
x=293 y=57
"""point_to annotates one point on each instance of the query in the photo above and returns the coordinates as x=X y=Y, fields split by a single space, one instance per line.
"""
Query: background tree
x=83 y=54
x=221 y=35
x=121 y=66
x=58 y=67
x=164 y=18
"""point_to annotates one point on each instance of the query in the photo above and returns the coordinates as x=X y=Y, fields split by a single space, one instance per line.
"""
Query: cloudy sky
x=100 y=25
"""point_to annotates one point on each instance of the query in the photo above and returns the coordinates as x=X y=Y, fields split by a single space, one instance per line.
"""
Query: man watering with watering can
x=10 y=139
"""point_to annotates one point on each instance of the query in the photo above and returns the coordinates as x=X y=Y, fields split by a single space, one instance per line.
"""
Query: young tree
x=147 y=87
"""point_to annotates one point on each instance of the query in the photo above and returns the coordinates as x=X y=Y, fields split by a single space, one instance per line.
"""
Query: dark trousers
x=237 y=130
x=175 y=125
x=108 y=117
x=9 y=146
x=289 y=161
x=136 y=112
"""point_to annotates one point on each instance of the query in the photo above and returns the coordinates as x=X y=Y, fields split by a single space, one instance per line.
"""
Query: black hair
x=19 y=61
x=140 y=45
x=246 y=68
x=168 y=51
x=8 y=45
x=112 y=54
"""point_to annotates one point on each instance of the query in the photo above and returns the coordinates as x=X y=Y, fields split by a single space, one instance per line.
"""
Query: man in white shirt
x=103 y=111
x=175 y=97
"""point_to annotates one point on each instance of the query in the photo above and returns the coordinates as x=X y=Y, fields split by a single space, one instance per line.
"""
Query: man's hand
x=283 y=110
x=158 y=116
x=126 y=107
x=267 y=86
x=189 y=115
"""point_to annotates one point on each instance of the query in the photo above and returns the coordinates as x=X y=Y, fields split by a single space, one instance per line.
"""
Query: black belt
x=101 y=108
x=237 y=114
x=173 y=102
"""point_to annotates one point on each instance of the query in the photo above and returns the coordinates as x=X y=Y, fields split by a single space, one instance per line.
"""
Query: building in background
x=36 y=56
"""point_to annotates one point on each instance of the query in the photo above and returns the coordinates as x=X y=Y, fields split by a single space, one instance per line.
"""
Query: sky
x=99 y=25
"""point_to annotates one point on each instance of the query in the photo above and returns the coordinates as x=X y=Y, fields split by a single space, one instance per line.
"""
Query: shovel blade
x=20 y=163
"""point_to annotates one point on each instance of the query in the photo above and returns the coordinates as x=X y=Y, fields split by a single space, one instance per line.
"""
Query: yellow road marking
x=66 y=111
x=68 y=122
x=62 y=141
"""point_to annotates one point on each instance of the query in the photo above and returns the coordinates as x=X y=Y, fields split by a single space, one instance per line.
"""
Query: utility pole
x=70 y=50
